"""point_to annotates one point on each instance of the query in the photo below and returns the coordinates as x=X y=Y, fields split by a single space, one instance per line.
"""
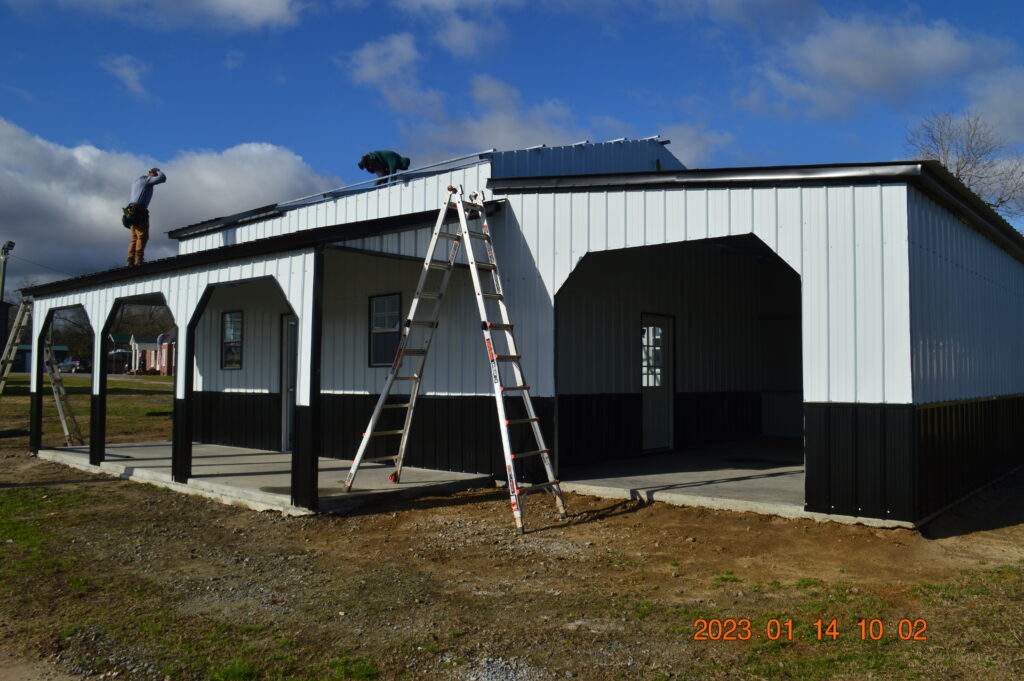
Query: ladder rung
x=415 y=352
x=507 y=358
x=535 y=452
x=489 y=266
x=378 y=433
x=439 y=266
x=407 y=378
x=431 y=295
x=379 y=458
x=500 y=327
x=449 y=235
x=538 y=487
x=519 y=422
x=426 y=325
x=480 y=235
x=514 y=387
x=493 y=296
x=398 y=405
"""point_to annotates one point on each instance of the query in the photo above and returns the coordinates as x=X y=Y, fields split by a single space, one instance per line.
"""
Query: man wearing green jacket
x=383 y=163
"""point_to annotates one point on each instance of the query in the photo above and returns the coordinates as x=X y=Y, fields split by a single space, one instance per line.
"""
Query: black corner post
x=181 y=443
x=98 y=404
x=308 y=426
x=35 y=419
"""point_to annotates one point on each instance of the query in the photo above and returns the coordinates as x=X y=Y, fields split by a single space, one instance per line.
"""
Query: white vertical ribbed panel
x=967 y=307
x=856 y=343
x=182 y=291
x=412 y=196
x=262 y=305
x=457 y=364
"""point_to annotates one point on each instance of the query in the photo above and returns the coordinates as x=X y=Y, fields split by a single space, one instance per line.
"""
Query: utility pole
x=4 y=252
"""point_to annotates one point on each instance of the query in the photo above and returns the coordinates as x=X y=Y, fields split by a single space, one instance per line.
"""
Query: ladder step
x=407 y=378
x=500 y=327
x=415 y=352
x=439 y=266
x=493 y=296
x=426 y=325
x=378 y=433
x=538 y=487
x=535 y=452
x=449 y=235
x=379 y=458
x=402 y=405
x=490 y=267
x=507 y=358
x=480 y=235
x=430 y=295
x=505 y=388
x=519 y=422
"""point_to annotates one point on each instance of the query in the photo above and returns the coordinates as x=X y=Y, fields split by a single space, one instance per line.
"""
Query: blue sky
x=243 y=102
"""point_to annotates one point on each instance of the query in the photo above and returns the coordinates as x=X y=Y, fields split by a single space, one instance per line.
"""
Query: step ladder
x=68 y=422
x=409 y=363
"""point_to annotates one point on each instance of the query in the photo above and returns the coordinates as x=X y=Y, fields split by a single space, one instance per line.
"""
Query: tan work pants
x=137 y=244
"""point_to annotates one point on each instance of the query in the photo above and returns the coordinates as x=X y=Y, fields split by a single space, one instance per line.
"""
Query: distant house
x=144 y=347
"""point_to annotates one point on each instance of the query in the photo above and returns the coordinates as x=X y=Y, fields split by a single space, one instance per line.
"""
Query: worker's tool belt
x=134 y=214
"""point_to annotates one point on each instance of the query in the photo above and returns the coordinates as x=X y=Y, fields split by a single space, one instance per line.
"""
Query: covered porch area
x=260 y=479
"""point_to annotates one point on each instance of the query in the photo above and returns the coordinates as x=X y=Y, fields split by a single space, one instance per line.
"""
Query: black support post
x=308 y=426
x=98 y=406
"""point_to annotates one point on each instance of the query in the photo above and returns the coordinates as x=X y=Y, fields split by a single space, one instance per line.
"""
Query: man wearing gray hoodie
x=136 y=215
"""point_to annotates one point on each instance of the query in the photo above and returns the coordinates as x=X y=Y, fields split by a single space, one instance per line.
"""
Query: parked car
x=74 y=365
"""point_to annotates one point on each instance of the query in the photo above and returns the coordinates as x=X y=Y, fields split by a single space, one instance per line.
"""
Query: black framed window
x=231 y=340
x=385 y=328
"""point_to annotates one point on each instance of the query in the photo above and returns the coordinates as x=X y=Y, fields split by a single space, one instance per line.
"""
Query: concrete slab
x=261 y=480
x=759 y=476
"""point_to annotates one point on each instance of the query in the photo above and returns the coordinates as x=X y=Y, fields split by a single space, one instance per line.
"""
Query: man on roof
x=383 y=163
x=136 y=215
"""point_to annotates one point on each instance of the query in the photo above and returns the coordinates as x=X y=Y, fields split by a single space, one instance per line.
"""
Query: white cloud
x=842 y=64
x=695 y=145
x=997 y=97
x=390 y=65
x=226 y=14
x=233 y=60
x=464 y=37
x=62 y=205
x=129 y=70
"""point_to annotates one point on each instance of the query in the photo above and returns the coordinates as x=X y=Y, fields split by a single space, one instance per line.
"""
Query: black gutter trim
x=284 y=243
x=931 y=177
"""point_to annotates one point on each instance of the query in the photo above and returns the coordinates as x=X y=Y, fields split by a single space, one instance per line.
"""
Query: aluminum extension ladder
x=68 y=422
x=413 y=360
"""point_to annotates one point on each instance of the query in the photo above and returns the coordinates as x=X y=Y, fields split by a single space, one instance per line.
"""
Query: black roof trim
x=284 y=243
x=216 y=224
x=929 y=176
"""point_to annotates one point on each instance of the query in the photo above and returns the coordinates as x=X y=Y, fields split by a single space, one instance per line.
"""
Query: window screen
x=651 y=363
x=385 y=328
x=231 y=340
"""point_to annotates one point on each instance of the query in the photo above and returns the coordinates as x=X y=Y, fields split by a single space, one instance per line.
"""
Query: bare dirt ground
x=101 y=578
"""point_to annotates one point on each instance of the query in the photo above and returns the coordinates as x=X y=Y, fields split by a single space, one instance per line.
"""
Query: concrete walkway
x=261 y=480
x=761 y=476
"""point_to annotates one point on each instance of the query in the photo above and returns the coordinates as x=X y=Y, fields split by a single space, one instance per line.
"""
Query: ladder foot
x=393 y=477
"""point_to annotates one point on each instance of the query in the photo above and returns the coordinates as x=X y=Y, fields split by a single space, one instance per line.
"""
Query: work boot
x=139 y=260
x=129 y=262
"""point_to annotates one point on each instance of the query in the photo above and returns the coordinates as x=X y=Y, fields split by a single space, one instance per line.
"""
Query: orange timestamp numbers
x=729 y=629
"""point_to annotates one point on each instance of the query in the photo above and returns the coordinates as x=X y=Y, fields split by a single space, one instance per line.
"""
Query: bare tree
x=977 y=155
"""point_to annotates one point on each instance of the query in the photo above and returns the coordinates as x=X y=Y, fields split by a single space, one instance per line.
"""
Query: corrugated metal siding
x=420 y=194
x=182 y=291
x=457 y=364
x=262 y=305
x=625 y=156
x=856 y=337
x=967 y=309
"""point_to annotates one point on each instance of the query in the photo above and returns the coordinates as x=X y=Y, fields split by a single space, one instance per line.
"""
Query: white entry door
x=656 y=386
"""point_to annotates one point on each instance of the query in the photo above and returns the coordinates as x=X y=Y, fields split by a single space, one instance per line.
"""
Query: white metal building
x=870 y=309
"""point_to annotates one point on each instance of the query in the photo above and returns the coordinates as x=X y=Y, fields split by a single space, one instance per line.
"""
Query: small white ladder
x=68 y=422
x=409 y=363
